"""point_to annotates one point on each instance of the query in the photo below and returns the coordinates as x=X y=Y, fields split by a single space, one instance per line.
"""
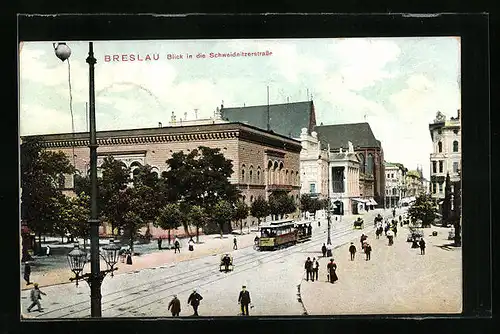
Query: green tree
x=423 y=209
x=199 y=178
x=222 y=214
x=41 y=171
x=240 y=213
x=73 y=217
x=305 y=203
x=169 y=218
x=197 y=217
x=259 y=209
x=280 y=203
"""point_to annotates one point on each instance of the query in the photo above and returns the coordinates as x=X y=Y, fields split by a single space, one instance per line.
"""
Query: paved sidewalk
x=397 y=279
x=209 y=245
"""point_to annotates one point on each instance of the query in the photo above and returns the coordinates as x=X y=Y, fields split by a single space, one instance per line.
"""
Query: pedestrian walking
x=362 y=238
x=329 y=250
x=191 y=245
x=308 y=268
x=395 y=230
x=175 y=306
x=35 y=296
x=323 y=250
x=390 y=236
x=368 y=251
x=194 y=300
x=177 y=245
x=47 y=251
x=235 y=245
x=159 y=243
x=316 y=269
x=352 y=251
x=422 y=246
x=332 y=271
x=27 y=273
x=244 y=300
x=393 y=213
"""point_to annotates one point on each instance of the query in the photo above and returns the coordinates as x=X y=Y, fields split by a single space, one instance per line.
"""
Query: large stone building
x=262 y=161
x=369 y=151
x=446 y=153
x=313 y=165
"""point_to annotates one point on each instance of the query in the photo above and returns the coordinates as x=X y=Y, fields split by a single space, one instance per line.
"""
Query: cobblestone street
x=397 y=279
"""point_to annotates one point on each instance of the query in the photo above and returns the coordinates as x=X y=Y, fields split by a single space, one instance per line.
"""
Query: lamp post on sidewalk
x=329 y=218
x=63 y=52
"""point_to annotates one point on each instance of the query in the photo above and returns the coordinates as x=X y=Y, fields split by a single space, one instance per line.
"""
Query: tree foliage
x=197 y=217
x=41 y=171
x=240 y=213
x=259 y=208
x=169 y=217
x=423 y=209
x=280 y=203
x=310 y=204
x=223 y=213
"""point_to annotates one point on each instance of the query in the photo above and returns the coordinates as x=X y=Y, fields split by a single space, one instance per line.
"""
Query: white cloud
x=36 y=119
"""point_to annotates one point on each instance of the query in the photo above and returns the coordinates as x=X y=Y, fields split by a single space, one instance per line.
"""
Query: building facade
x=344 y=185
x=262 y=161
x=369 y=152
x=313 y=165
x=395 y=185
x=446 y=153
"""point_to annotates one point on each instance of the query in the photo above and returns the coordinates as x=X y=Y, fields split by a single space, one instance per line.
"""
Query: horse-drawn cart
x=226 y=263
x=359 y=223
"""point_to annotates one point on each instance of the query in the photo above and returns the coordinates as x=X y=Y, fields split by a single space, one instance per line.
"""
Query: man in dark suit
x=194 y=299
x=308 y=267
x=175 y=306
x=244 y=300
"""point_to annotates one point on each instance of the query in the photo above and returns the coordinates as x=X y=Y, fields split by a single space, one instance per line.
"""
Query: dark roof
x=337 y=135
x=286 y=119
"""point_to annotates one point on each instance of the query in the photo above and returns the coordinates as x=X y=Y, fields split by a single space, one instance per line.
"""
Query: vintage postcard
x=243 y=177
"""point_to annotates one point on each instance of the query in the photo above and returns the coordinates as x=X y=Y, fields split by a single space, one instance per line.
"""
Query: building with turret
x=446 y=153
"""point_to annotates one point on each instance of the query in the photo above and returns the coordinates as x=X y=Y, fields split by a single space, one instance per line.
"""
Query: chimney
x=458 y=113
x=159 y=124
x=185 y=116
x=222 y=105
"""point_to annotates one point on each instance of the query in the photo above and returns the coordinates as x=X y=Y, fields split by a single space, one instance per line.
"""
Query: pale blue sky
x=398 y=84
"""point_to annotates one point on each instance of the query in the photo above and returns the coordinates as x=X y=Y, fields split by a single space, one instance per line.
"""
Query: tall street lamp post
x=96 y=276
x=329 y=218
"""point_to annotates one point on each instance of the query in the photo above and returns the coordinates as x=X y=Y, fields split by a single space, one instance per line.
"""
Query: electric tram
x=304 y=230
x=278 y=234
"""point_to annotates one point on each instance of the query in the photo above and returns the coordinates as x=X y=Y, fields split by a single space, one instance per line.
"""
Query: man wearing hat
x=194 y=299
x=244 y=300
x=35 y=297
x=175 y=306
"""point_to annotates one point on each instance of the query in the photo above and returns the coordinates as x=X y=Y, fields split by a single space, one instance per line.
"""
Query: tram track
x=197 y=277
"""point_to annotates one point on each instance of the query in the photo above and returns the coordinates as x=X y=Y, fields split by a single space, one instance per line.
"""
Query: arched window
x=297 y=179
x=258 y=175
x=287 y=177
x=250 y=174
x=361 y=162
x=269 y=172
x=251 y=199
x=440 y=147
x=243 y=175
x=455 y=146
x=369 y=164
x=394 y=191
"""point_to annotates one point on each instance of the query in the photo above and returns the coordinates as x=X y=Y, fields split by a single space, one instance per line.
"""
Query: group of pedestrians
x=195 y=298
x=312 y=269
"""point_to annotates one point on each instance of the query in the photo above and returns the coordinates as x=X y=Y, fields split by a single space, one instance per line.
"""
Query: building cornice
x=208 y=132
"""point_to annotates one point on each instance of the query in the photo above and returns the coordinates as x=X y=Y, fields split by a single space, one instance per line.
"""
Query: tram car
x=304 y=230
x=278 y=234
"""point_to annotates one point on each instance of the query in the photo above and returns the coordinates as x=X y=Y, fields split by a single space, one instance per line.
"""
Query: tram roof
x=278 y=223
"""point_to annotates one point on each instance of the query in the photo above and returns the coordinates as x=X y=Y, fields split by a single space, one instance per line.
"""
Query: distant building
x=446 y=154
x=262 y=161
x=370 y=155
x=314 y=161
x=395 y=185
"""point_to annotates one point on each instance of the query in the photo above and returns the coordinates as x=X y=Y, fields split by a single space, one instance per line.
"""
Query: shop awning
x=360 y=200
x=372 y=201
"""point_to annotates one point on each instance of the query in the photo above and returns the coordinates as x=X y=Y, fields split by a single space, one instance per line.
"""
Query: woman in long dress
x=332 y=271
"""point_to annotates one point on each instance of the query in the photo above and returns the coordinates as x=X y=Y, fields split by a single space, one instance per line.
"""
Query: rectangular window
x=455 y=167
x=312 y=188
x=441 y=187
x=434 y=169
x=434 y=187
x=441 y=166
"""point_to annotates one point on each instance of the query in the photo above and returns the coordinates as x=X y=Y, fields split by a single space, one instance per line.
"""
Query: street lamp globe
x=110 y=254
x=62 y=51
x=77 y=259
